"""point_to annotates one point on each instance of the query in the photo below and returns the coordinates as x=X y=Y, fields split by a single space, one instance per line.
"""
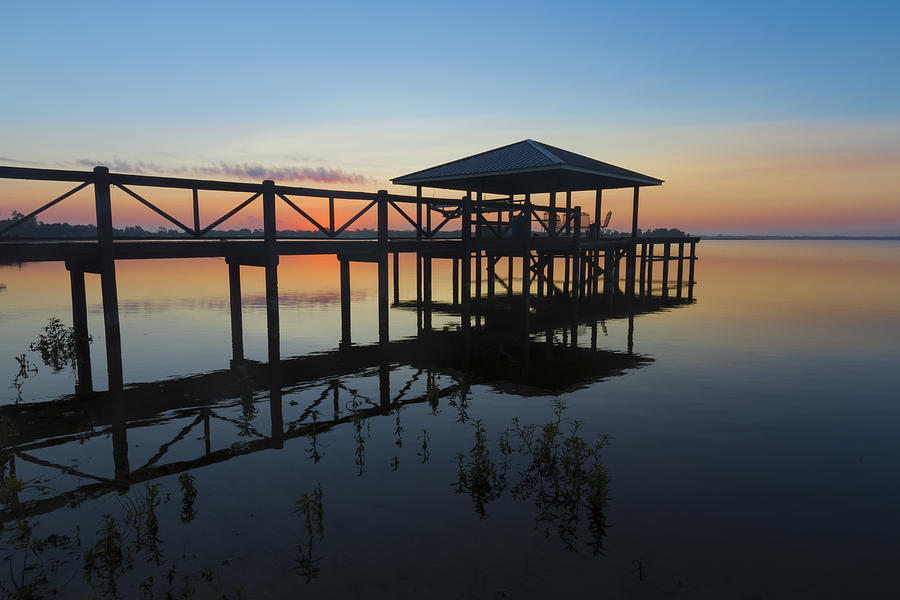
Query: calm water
x=752 y=445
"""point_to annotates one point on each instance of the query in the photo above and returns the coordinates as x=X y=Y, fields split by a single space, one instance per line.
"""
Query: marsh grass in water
x=188 y=497
x=310 y=509
x=555 y=467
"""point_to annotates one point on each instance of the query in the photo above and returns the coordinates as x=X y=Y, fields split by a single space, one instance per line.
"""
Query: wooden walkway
x=492 y=231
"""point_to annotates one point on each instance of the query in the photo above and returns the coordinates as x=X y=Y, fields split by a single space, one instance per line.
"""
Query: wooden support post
x=610 y=272
x=271 y=260
x=526 y=259
x=650 y=269
x=346 y=340
x=539 y=272
x=455 y=283
x=586 y=272
x=598 y=216
x=643 y=280
x=576 y=268
x=121 y=468
x=272 y=317
x=630 y=333
x=568 y=213
x=526 y=285
x=84 y=384
x=237 y=325
x=276 y=416
x=631 y=260
x=196 y=210
x=552 y=217
x=108 y=279
x=466 y=262
x=665 y=272
x=491 y=278
x=396 y=278
x=418 y=259
x=509 y=275
x=426 y=292
x=331 y=214
x=592 y=273
x=680 y=269
x=382 y=266
x=693 y=258
x=207 y=438
x=384 y=381
x=335 y=397
x=478 y=218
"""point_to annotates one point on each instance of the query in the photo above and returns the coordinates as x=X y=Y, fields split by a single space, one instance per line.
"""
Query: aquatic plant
x=460 y=400
x=25 y=370
x=313 y=449
x=563 y=475
x=57 y=345
x=432 y=392
x=424 y=453
x=398 y=428
x=477 y=474
x=311 y=510
x=361 y=432
x=188 y=497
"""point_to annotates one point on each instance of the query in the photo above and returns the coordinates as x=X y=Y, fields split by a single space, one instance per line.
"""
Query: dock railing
x=430 y=216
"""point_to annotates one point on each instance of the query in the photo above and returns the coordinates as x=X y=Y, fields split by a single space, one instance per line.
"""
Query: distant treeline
x=38 y=229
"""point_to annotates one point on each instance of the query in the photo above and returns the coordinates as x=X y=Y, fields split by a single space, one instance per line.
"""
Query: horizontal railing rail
x=486 y=217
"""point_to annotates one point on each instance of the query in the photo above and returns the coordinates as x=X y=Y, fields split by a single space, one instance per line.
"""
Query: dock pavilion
x=531 y=167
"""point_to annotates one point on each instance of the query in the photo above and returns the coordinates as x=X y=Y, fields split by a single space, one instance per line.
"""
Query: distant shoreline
x=883 y=238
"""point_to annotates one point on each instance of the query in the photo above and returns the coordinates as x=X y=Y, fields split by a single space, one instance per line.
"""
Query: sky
x=761 y=117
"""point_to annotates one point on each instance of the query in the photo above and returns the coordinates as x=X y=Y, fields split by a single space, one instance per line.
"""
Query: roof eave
x=640 y=180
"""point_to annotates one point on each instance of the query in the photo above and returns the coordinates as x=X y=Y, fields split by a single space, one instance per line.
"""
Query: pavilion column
x=526 y=265
x=554 y=230
x=509 y=259
x=466 y=301
x=478 y=216
x=569 y=257
x=418 y=259
x=631 y=261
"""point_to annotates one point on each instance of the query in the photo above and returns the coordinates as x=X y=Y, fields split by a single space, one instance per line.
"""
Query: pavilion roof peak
x=527 y=166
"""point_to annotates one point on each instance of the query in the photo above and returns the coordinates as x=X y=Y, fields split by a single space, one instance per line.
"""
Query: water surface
x=746 y=447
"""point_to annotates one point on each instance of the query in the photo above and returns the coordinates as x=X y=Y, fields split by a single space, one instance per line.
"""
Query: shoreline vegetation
x=720 y=236
x=39 y=229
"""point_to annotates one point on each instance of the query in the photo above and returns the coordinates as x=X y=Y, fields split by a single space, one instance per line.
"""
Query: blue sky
x=198 y=82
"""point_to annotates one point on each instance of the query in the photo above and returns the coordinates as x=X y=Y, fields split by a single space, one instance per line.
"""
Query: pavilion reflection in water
x=557 y=352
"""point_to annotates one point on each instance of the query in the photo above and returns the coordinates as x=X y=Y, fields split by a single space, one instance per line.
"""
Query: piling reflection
x=445 y=363
x=552 y=466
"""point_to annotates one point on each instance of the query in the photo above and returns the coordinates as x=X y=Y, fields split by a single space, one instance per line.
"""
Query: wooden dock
x=531 y=240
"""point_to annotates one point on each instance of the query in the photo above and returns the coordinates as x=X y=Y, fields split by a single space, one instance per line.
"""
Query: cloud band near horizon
x=255 y=171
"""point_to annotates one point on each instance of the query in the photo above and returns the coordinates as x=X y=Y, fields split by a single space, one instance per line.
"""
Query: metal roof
x=526 y=167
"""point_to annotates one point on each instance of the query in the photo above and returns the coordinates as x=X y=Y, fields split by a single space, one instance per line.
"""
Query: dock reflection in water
x=159 y=438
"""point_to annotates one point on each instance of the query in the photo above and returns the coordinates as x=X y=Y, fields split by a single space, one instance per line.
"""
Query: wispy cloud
x=257 y=171
x=6 y=159
x=254 y=171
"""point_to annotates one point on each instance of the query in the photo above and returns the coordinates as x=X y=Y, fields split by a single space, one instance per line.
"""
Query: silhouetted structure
x=491 y=229
x=493 y=355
